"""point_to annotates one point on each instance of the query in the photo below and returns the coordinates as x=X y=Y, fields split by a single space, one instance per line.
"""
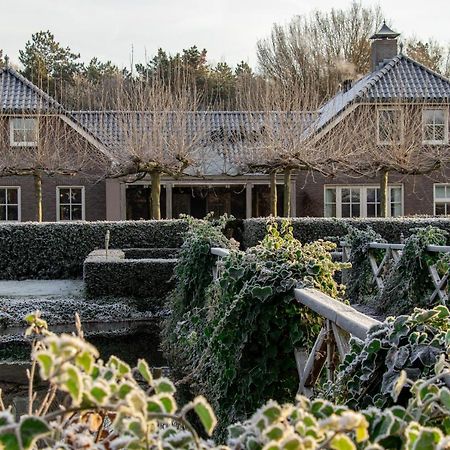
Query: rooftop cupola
x=384 y=45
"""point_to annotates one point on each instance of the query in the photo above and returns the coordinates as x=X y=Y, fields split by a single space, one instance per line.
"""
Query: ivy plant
x=407 y=344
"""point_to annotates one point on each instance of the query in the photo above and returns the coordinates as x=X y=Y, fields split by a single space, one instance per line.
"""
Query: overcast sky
x=228 y=29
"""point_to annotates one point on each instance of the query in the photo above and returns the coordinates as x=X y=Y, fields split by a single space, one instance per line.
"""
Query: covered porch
x=243 y=198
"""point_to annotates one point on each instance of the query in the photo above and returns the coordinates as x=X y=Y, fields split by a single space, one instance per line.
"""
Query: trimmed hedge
x=311 y=229
x=120 y=277
x=58 y=250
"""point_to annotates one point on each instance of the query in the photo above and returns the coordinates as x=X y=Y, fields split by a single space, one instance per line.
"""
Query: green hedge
x=58 y=250
x=311 y=229
x=116 y=276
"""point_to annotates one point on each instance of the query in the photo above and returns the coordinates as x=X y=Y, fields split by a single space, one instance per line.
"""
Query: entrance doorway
x=139 y=203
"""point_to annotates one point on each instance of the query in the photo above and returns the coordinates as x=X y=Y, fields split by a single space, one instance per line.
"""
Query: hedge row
x=116 y=276
x=312 y=229
x=58 y=250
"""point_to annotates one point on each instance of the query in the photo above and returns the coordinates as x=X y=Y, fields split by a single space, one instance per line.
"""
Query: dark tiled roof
x=18 y=95
x=399 y=78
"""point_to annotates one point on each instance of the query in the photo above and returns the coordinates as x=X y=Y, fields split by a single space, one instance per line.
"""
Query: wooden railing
x=341 y=321
x=332 y=344
x=392 y=253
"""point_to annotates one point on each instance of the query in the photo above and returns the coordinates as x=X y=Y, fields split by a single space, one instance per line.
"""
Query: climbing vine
x=408 y=284
x=238 y=347
x=412 y=344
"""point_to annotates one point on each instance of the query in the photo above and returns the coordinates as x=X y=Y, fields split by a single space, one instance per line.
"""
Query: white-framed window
x=361 y=201
x=435 y=125
x=442 y=199
x=389 y=125
x=69 y=203
x=10 y=204
x=23 y=131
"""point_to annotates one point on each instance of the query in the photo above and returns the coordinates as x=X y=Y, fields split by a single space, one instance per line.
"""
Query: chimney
x=384 y=46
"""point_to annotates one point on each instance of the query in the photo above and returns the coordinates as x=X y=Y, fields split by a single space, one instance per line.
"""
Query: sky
x=228 y=29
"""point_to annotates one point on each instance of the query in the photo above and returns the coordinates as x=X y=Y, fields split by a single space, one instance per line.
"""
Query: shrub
x=57 y=250
x=111 y=405
x=236 y=344
x=406 y=344
x=119 y=277
x=309 y=229
x=408 y=284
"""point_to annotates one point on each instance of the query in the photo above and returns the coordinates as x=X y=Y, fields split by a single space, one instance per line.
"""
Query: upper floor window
x=435 y=126
x=361 y=201
x=442 y=199
x=70 y=203
x=389 y=126
x=10 y=204
x=23 y=131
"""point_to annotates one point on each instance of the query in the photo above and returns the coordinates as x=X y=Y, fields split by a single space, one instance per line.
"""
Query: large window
x=10 y=204
x=435 y=126
x=442 y=199
x=23 y=132
x=361 y=201
x=389 y=126
x=70 y=203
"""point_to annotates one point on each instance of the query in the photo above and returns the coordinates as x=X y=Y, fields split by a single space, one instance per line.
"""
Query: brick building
x=395 y=80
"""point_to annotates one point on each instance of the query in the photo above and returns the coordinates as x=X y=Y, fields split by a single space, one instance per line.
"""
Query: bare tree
x=284 y=137
x=324 y=47
x=45 y=144
x=160 y=132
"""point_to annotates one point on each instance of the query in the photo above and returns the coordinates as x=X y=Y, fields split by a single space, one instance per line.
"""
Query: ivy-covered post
x=384 y=179
x=287 y=193
x=273 y=193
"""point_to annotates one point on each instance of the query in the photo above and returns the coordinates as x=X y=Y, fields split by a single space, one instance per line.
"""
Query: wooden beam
x=344 y=316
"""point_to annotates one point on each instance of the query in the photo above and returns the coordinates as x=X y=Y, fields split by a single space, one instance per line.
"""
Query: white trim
x=402 y=125
x=434 y=142
x=19 y=203
x=14 y=143
x=444 y=200
x=83 y=202
x=362 y=197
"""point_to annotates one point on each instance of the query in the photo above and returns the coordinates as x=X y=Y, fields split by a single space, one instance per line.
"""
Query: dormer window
x=23 y=131
x=435 y=126
x=389 y=126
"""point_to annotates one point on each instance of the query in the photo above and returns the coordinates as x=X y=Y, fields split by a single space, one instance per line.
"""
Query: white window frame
x=441 y=200
x=433 y=141
x=19 y=204
x=58 y=203
x=14 y=143
x=390 y=108
x=362 y=198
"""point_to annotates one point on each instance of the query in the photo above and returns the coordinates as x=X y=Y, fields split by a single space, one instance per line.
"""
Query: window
x=361 y=201
x=70 y=203
x=435 y=126
x=10 y=204
x=390 y=126
x=442 y=199
x=23 y=132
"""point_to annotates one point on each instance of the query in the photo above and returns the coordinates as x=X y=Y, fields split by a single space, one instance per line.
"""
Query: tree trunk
x=273 y=193
x=38 y=191
x=287 y=193
x=384 y=179
x=156 y=194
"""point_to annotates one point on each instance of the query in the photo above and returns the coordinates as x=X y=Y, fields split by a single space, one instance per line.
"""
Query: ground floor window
x=10 y=203
x=361 y=201
x=70 y=203
x=442 y=199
